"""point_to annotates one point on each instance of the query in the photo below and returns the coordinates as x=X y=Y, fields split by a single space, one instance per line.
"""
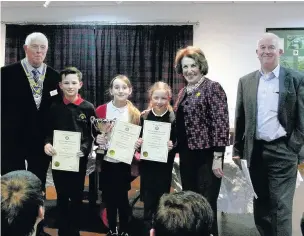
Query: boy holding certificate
x=71 y=114
x=155 y=176
x=116 y=175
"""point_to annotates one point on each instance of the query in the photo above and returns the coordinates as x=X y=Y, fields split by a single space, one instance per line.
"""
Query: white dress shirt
x=268 y=127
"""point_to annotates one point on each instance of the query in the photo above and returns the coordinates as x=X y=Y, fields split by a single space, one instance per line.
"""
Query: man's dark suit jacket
x=290 y=112
x=22 y=131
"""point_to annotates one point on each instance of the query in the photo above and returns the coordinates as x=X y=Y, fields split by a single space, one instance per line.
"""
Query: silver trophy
x=103 y=127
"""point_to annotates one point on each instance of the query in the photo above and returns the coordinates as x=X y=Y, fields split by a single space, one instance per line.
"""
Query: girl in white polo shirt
x=116 y=175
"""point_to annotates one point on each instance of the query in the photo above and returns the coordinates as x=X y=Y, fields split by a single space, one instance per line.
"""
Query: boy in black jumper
x=72 y=113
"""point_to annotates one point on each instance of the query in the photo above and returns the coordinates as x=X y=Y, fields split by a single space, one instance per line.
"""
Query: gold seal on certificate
x=145 y=154
x=155 y=141
x=123 y=139
x=112 y=153
x=67 y=145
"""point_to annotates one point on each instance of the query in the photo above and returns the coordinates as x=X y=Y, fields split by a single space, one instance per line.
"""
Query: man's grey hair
x=270 y=35
x=36 y=36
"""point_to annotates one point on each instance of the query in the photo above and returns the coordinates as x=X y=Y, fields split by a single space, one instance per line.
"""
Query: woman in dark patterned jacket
x=202 y=123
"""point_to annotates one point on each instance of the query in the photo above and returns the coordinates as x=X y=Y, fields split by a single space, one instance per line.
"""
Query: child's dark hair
x=183 y=213
x=71 y=70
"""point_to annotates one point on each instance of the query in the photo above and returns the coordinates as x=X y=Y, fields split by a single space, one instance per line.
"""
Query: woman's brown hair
x=196 y=54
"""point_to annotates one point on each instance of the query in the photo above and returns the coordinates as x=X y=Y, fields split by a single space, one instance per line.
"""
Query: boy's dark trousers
x=69 y=185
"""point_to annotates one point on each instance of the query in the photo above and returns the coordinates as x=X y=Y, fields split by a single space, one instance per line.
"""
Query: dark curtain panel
x=143 y=53
x=69 y=45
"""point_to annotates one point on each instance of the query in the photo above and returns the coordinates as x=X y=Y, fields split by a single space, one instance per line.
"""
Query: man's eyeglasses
x=36 y=47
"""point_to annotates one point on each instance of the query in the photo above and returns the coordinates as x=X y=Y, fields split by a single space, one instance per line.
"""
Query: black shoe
x=74 y=233
x=124 y=234
x=110 y=233
x=61 y=233
x=43 y=234
x=68 y=232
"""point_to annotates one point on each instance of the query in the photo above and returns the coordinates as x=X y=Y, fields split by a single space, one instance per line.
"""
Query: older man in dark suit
x=269 y=134
x=28 y=88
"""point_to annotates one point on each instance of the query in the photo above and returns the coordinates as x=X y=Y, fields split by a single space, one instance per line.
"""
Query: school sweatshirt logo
x=82 y=116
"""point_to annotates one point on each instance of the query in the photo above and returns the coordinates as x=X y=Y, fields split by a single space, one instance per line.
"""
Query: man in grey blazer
x=269 y=134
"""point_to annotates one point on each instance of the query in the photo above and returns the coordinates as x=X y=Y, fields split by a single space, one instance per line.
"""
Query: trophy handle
x=92 y=119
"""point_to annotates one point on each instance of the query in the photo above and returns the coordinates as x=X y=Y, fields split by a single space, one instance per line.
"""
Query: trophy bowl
x=102 y=127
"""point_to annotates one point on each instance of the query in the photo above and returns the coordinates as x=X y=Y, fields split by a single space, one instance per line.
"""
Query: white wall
x=227 y=32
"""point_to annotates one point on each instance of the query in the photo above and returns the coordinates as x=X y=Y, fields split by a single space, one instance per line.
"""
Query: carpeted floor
x=229 y=224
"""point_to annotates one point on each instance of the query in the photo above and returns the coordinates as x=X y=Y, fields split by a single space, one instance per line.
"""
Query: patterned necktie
x=35 y=75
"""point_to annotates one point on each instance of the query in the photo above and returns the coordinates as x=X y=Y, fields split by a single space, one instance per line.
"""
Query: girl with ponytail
x=116 y=175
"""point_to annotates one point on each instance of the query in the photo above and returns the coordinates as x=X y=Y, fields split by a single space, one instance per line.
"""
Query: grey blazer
x=290 y=112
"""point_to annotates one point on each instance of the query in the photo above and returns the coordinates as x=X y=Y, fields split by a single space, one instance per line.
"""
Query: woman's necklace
x=191 y=87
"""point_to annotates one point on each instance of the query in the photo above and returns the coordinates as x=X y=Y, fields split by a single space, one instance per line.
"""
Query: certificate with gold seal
x=155 y=141
x=66 y=144
x=122 y=142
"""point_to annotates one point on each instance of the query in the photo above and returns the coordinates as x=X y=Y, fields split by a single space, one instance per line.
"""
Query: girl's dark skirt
x=115 y=179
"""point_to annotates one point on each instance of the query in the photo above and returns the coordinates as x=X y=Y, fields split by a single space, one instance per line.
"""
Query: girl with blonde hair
x=156 y=177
